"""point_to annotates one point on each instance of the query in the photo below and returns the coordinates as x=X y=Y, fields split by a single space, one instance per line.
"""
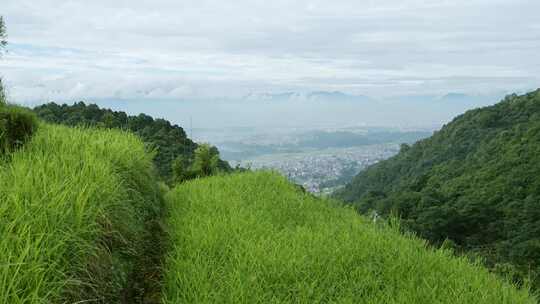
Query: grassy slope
x=252 y=238
x=73 y=209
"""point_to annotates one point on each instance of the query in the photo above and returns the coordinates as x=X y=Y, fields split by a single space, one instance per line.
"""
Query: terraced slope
x=254 y=238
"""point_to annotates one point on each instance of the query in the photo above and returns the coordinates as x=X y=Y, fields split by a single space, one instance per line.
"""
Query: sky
x=147 y=50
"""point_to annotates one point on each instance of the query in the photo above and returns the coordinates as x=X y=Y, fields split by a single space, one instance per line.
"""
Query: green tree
x=3 y=43
x=180 y=169
x=3 y=99
x=3 y=34
x=206 y=160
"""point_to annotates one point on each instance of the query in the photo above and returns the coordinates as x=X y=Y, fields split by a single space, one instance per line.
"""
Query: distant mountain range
x=307 y=109
x=309 y=96
x=455 y=99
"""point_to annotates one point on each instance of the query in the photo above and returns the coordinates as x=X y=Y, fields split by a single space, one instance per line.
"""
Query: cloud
x=197 y=49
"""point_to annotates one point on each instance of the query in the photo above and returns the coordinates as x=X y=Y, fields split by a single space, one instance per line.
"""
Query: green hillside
x=475 y=182
x=77 y=207
x=169 y=141
x=254 y=238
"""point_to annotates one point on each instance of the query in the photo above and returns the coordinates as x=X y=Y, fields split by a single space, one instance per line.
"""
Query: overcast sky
x=147 y=49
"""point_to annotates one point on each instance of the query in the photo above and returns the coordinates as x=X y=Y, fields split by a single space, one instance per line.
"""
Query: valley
x=321 y=160
x=281 y=152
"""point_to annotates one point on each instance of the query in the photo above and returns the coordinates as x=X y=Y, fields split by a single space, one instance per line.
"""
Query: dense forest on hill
x=170 y=141
x=475 y=182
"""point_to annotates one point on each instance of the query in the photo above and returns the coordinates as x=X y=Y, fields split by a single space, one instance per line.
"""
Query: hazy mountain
x=320 y=96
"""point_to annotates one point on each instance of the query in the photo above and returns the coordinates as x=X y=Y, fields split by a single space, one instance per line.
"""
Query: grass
x=80 y=214
x=254 y=238
x=74 y=207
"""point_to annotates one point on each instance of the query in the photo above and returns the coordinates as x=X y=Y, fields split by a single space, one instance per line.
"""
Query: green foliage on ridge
x=205 y=163
x=169 y=141
x=475 y=182
x=255 y=238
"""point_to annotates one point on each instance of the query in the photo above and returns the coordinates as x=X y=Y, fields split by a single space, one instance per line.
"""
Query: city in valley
x=321 y=160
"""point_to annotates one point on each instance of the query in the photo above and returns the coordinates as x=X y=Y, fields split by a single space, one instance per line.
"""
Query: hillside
x=474 y=182
x=169 y=141
x=255 y=238
x=83 y=220
x=79 y=210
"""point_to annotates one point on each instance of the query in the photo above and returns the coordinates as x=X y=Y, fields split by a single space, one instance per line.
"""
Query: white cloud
x=189 y=49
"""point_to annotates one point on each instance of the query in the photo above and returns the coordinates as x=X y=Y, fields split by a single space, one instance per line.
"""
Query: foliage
x=17 y=125
x=169 y=141
x=75 y=207
x=3 y=98
x=3 y=34
x=3 y=43
x=205 y=163
x=475 y=182
x=255 y=238
x=180 y=170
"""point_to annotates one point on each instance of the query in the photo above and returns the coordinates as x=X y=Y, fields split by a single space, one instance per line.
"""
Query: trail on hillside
x=145 y=282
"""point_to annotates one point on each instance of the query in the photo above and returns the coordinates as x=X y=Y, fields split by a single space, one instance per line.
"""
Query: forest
x=473 y=186
x=169 y=141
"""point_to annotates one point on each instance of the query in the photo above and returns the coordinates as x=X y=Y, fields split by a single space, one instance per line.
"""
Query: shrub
x=17 y=125
x=3 y=98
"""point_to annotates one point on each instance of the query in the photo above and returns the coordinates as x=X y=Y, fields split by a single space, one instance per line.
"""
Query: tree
x=3 y=34
x=2 y=94
x=206 y=160
x=180 y=169
x=3 y=43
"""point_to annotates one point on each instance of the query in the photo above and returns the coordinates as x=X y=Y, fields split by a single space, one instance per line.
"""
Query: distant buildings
x=325 y=171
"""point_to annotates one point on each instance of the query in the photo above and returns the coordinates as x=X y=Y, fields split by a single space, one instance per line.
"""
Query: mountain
x=463 y=102
x=320 y=96
x=473 y=184
x=169 y=141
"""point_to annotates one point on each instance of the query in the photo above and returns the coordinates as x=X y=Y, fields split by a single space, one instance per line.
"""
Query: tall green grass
x=253 y=238
x=73 y=208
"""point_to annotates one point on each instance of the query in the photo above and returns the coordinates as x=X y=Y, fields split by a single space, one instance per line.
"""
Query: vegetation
x=169 y=141
x=205 y=163
x=3 y=98
x=3 y=43
x=3 y=34
x=81 y=214
x=17 y=125
x=474 y=184
x=77 y=208
x=255 y=238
